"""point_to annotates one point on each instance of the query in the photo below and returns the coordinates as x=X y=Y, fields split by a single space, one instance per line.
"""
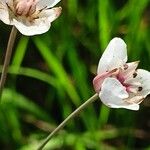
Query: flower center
x=125 y=75
x=25 y=7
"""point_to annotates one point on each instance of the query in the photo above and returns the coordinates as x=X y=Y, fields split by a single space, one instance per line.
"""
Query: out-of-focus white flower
x=120 y=84
x=30 y=17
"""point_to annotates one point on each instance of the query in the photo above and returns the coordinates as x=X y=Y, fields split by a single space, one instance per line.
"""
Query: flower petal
x=113 y=95
x=50 y=14
x=143 y=77
x=127 y=106
x=114 y=56
x=38 y=26
x=4 y=13
x=46 y=3
x=112 y=92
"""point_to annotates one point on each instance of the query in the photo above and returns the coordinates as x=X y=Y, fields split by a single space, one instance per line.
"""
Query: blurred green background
x=51 y=74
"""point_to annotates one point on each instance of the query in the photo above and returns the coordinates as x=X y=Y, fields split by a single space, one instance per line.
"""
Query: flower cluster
x=30 y=17
x=120 y=84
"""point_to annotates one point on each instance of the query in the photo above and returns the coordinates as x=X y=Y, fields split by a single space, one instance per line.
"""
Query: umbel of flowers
x=118 y=83
x=30 y=17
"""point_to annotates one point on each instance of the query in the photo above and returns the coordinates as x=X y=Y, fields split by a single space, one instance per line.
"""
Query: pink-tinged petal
x=46 y=3
x=98 y=80
x=39 y=25
x=114 y=56
x=143 y=77
x=112 y=93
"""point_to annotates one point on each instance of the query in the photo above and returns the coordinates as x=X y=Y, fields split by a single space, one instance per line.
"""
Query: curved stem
x=10 y=45
x=72 y=115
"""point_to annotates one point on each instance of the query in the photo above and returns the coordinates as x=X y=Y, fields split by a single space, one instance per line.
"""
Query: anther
x=125 y=67
x=134 y=74
x=140 y=88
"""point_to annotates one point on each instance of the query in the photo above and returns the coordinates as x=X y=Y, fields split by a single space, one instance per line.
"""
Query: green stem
x=72 y=115
x=10 y=45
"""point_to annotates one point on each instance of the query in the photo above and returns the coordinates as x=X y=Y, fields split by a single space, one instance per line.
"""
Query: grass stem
x=72 y=115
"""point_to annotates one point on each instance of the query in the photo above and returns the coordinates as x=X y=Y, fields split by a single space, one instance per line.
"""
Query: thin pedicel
x=7 y=58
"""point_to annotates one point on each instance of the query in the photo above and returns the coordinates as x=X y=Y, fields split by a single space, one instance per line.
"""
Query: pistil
x=25 y=7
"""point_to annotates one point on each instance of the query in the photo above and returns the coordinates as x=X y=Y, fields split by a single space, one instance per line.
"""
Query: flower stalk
x=10 y=45
x=72 y=115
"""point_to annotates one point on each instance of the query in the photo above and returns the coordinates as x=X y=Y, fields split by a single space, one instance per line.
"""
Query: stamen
x=9 y=7
x=43 y=8
x=140 y=88
x=125 y=67
x=131 y=89
x=134 y=74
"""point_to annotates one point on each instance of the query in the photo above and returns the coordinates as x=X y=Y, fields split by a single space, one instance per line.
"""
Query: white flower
x=120 y=84
x=30 y=17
